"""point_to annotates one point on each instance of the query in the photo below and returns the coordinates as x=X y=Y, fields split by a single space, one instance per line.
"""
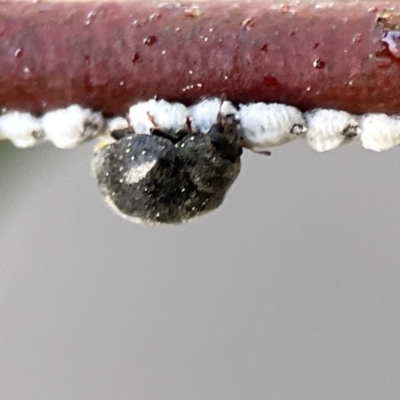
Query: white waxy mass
x=205 y=113
x=380 y=132
x=22 y=128
x=117 y=123
x=266 y=125
x=147 y=115
x=68 y=127
x=329 y=129
x=261 y=125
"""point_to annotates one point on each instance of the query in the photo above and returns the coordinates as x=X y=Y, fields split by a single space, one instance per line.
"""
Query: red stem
x=108 y=55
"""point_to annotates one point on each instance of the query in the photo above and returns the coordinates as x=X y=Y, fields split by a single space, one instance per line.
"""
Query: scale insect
x=380 y=132
x=22 y=128
x=329 y=129
x=170 y=175
x=267 y=125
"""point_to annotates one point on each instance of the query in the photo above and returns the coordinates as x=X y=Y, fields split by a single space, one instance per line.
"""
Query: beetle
x=169 y=176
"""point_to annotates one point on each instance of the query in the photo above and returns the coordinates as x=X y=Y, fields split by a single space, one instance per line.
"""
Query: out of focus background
x=290 y=291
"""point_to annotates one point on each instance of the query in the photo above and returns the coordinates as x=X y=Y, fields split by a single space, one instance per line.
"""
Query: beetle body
x=151 y=179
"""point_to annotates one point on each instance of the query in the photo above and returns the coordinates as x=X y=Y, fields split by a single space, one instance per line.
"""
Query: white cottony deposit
x=23 y=129
x=329 y=129
x=265 y=125
x=111 y=125
x=380 y=132
x=146 y=115
x=205 y=113
x=68 y=127
x=262 y=125
x=117 y=123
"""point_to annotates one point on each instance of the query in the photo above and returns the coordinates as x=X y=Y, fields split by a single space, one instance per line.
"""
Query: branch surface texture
x=108 y=55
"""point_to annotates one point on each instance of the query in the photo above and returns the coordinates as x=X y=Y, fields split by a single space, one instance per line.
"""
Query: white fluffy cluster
x=380 y=132
x=205 y=113
x=262 y=125
x=23 y=129
x=265 y=125
x=151 y=114
x=65 y=128
x=329 y=129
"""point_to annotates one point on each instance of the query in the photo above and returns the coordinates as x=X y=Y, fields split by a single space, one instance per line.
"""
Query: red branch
x=107 y=55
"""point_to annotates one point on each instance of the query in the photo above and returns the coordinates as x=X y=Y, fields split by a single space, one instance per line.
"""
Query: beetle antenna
x=189 y=125
x=130 y=127
x=220 y=117
x=152 y=120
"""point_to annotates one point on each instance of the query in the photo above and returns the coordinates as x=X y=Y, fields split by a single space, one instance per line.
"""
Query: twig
x=108 y=55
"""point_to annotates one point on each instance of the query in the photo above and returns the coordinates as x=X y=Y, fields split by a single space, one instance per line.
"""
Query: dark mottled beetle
x=169 y=177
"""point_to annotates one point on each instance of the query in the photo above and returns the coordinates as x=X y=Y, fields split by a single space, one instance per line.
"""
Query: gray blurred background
x=291 y=290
